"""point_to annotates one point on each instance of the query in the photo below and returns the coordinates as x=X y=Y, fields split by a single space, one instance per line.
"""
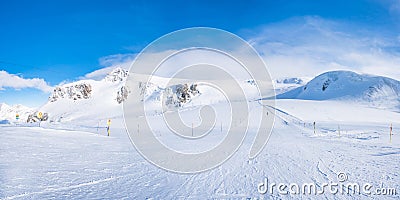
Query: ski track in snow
x=37 y=163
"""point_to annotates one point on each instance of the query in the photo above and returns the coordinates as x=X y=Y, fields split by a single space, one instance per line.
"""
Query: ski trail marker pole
x=108 y=127
x=314 y=128
x=17 y=118
x=390 y=134
x=40 y=116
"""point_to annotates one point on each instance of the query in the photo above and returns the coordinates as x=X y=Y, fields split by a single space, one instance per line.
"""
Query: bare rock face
x=173 y=96
x=58 y=92
x=181 y=94
x=33 y=117
x=118 y=74
x=74 y=92
x=122 y=94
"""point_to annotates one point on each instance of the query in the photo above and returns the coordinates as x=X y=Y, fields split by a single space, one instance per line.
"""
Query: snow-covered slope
x=90 y=102
x=8 y=113
x=85 y=102
x=377 y=91
x=82 y=165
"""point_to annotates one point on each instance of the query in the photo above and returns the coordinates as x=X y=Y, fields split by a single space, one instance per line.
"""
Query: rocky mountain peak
x=118 y=74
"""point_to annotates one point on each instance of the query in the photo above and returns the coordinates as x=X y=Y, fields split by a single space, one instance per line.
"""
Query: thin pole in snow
x=391 y=129
x=314 y=127
x=192 y=129
x=339 y=130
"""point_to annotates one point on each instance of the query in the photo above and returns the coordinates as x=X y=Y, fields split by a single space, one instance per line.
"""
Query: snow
x=79 y=164
x=8 y=113
x=381 y=92
x=336 y=111
x=286 y=84
x=71 y=156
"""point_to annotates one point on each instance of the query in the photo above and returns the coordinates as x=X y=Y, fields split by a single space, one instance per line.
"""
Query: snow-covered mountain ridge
x=83 y=89
x=282 y=85
x=378 y=91
x=102 y=99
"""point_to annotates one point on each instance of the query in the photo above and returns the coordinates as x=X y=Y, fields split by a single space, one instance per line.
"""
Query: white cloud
x=308 y=46
x=109 y=63
x=98 y=74
x=116 y=59
x=17 y=82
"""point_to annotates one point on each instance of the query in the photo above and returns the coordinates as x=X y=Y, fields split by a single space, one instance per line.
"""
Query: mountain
x=89 y=102
x=293 y=80
x=8 y=113
x=85 y=100
x=378 y=91
x=285 y=84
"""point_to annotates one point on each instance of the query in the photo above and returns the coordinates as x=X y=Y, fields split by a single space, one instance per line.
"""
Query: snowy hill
x=377 y=91
x=87 y=100
x=8 y=113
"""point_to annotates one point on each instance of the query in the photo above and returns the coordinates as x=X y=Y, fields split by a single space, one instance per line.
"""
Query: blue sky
x=63 y=40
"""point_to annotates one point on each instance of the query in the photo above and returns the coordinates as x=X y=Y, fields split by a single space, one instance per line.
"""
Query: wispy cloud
x=310 y=45
x=109 y=63
x=14 y=81
x=395 y=7
x=116 y=59
x=307 y=46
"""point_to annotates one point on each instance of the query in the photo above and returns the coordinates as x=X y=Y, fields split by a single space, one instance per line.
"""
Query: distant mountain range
x=102 y=99
x=8 y=113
